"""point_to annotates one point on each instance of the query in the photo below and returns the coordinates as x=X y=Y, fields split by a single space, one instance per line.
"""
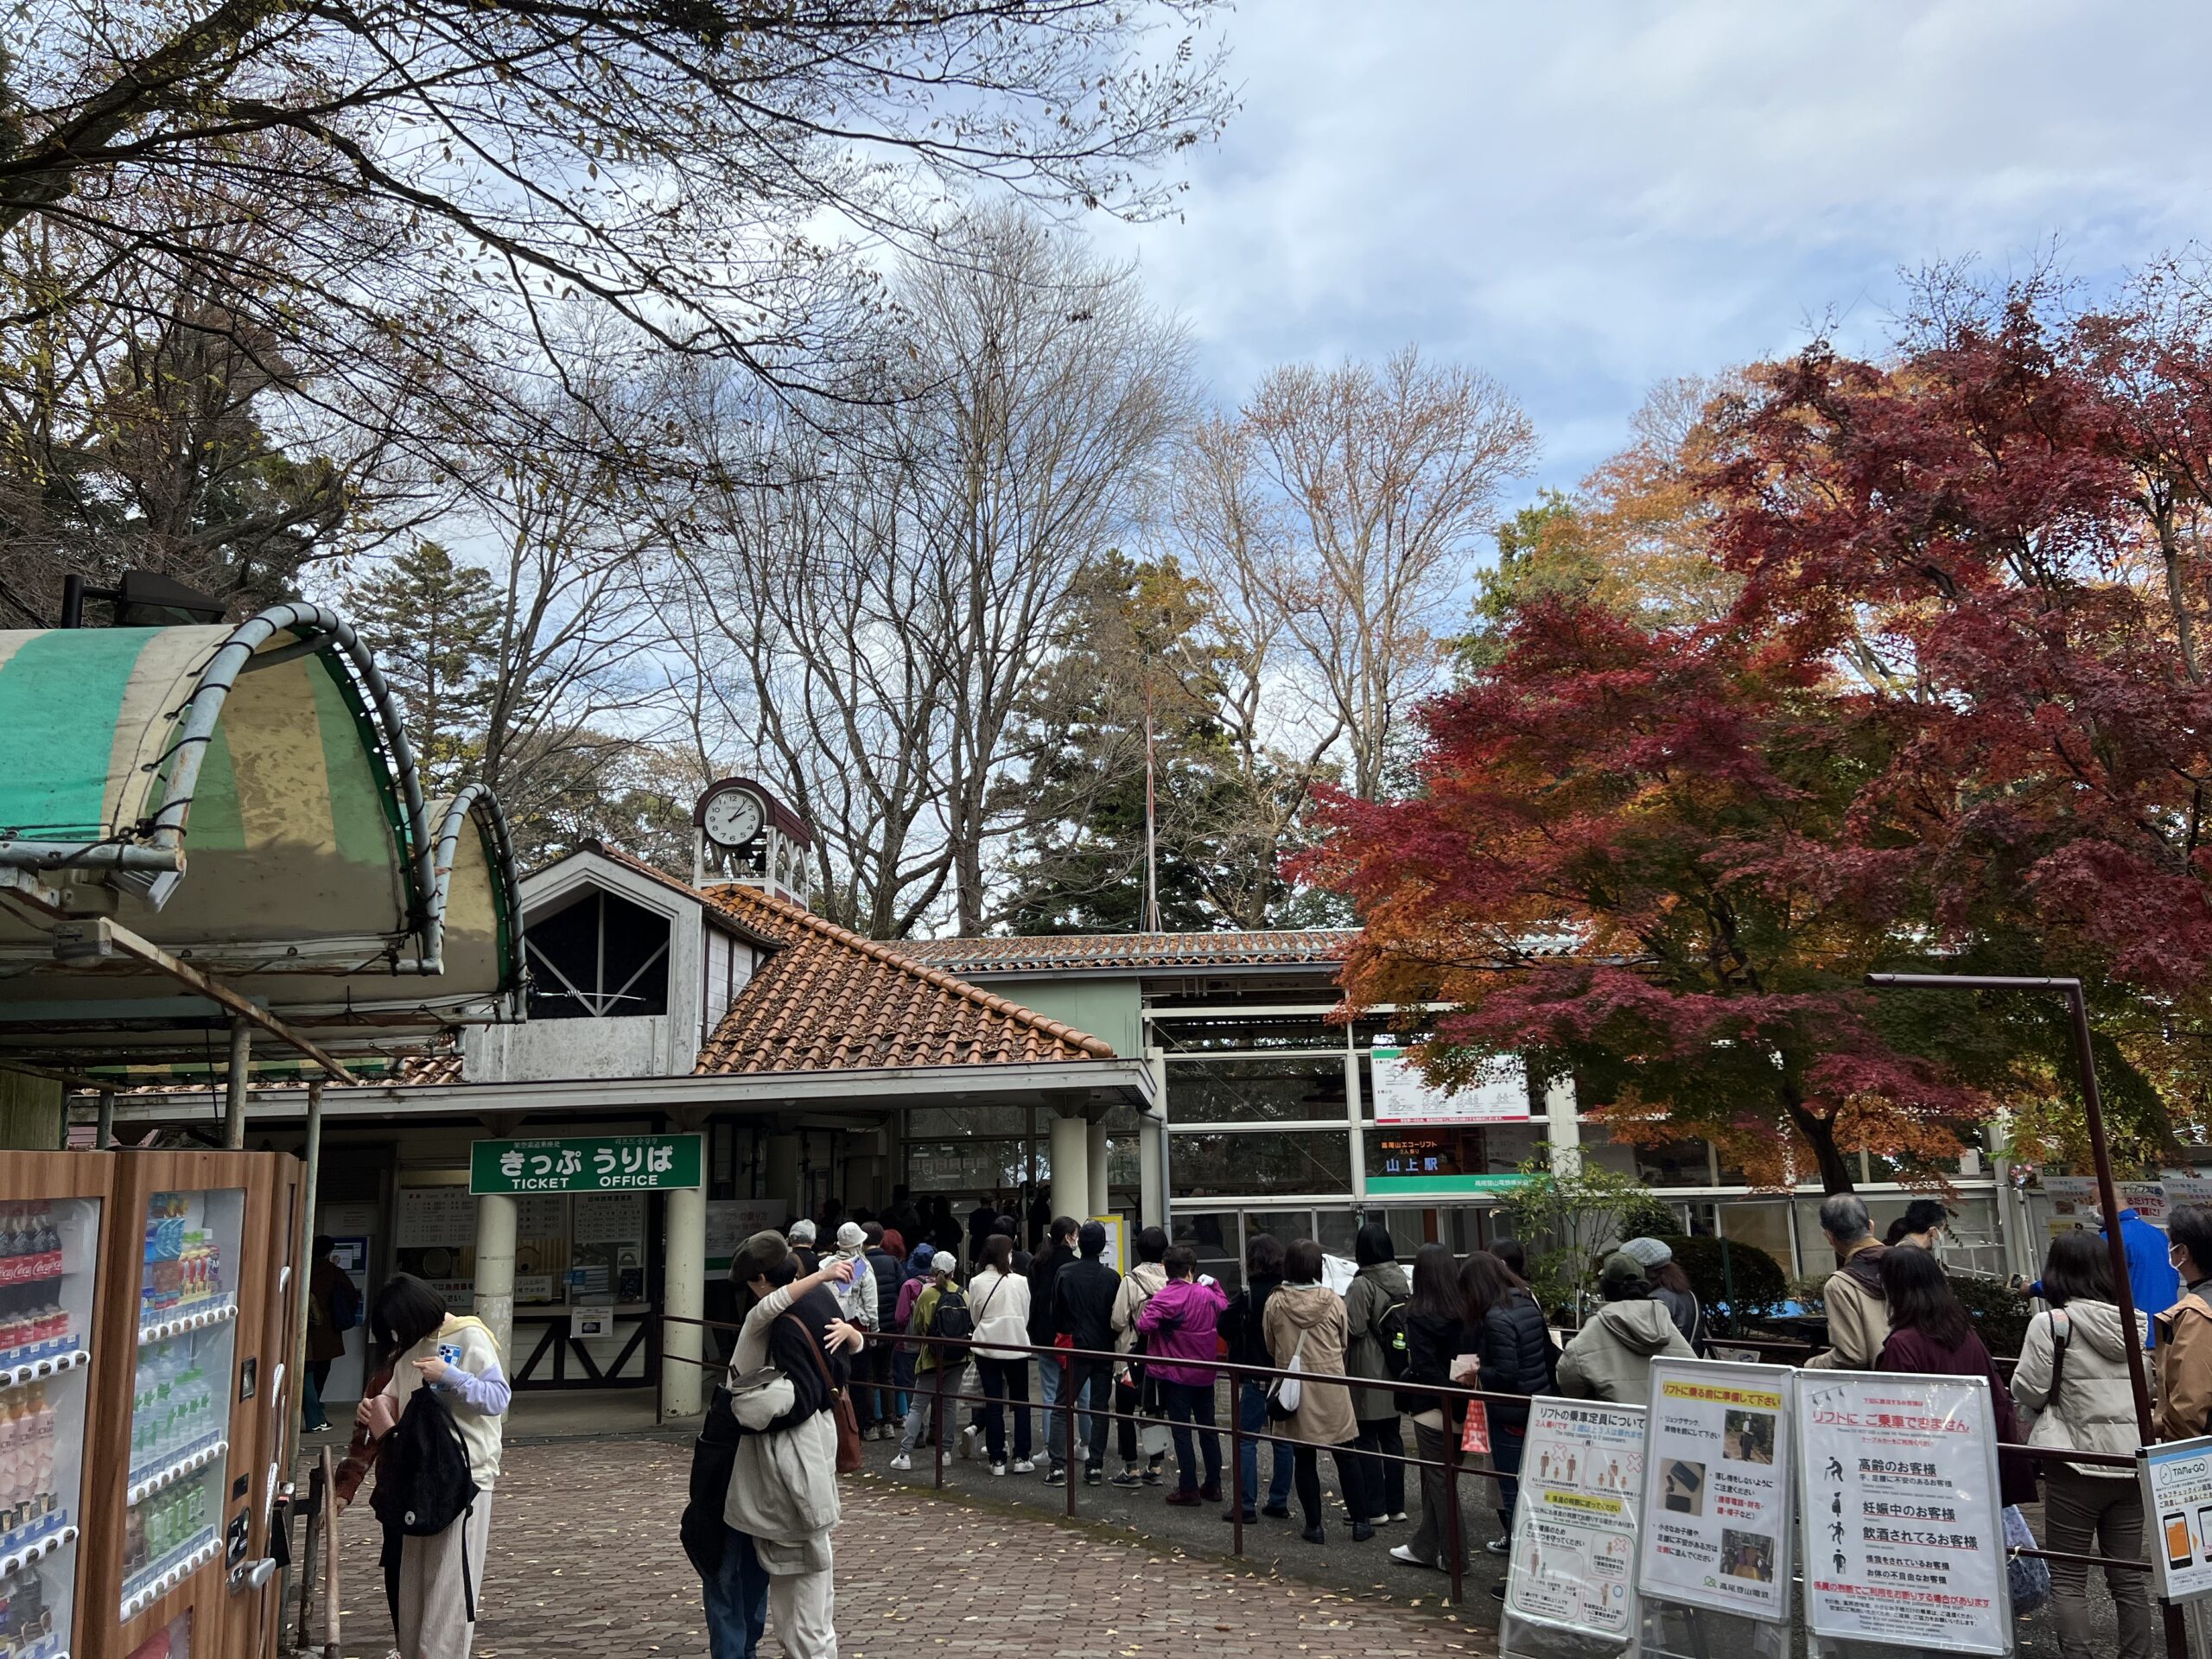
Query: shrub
x=2000 y=1313
x=1737 y=1282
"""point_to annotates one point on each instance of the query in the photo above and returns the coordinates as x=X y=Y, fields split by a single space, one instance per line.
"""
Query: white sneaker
x=1405 y=1553
x=945 y=1459
x=902 y=1461
x=1024 y=1466
x=1399 y=1516
x=968 y=1441
x=998 y=1468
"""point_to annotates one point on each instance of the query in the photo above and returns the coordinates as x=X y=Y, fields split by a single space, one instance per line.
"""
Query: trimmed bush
x=1748 y=1286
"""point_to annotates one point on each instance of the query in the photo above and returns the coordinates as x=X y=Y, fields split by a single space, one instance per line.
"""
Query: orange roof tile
x=827 y=1000
x=1042 y=953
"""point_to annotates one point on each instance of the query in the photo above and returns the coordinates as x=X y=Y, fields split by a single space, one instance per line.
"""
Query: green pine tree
x=433 y=623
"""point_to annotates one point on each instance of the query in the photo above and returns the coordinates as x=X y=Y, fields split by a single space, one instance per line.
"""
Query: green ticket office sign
x=598 y=1163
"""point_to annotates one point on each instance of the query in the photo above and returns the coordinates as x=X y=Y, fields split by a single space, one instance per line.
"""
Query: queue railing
x=1453 y=1466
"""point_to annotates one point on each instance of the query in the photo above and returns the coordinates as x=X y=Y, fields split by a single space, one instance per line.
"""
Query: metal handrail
x=1452 y=1467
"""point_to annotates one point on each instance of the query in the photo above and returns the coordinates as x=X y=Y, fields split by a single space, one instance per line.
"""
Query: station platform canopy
x=205 y=824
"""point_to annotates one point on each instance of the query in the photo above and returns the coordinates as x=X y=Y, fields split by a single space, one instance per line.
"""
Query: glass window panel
x=1286 y=1227
x=1232 y=1035
x=1292 y=1160
x=1767 y=1226
x=1214 y=1235
x=941 y=1123
x=1255 y=1091
x=1336 y=1229
x=1676 y=1163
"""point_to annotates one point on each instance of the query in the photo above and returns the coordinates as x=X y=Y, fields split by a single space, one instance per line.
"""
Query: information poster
x=1574 y=1526
x=1905 y=1537
x=2177 y=1497
x=1497 y=1093
x=435 y=1217
x=1716 y=1501
x=730 y=1222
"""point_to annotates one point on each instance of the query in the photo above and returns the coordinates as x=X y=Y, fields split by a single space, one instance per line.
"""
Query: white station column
x=1071 y=1164
x=683 y=1296
x=495 y=1271
x=1562 y=1126
x=1094 y=1148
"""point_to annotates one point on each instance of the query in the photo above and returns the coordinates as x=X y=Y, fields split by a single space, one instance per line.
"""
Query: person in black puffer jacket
x=1435 y=1335
x=1248 y=1346
x=1518 y=1358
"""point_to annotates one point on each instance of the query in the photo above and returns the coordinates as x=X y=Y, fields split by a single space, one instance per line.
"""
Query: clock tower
x=742 y=833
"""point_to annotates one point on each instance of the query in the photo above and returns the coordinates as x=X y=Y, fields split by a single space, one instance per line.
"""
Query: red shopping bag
x=1477 y=1437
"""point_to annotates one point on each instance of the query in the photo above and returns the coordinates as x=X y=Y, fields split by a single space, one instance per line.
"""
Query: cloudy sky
x=1584 y=198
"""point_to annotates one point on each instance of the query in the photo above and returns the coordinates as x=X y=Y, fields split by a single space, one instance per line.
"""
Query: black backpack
x=1391 y=1332
x=950 y=1317
x=424 y=1486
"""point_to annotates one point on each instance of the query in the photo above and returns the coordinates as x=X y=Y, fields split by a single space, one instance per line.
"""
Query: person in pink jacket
x=1182 y=1344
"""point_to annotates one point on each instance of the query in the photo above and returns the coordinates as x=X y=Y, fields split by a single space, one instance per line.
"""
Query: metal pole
x=1453 y=1526
x=311 y=1155
x=2108 y=1195
x=936 y=1440
x=236 y=1083
x=1236 y=1467
x=103 y=1133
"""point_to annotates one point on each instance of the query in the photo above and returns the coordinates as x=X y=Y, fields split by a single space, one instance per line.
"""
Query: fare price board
x=1716 y=1494
x=1903 y=1532
x=1574 y=1555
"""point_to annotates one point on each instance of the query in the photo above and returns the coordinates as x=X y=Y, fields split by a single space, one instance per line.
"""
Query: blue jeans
x=737 y=1599
x=1252 y=1408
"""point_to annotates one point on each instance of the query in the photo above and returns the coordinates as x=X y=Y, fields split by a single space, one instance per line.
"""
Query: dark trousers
x=1306 y=1475
x=1089 y=1385
x=1505 y=1446
x=1252 y=1401
x=1134 y=1400
x=1005 y=1379
x=736 y=1599
x=873 y=1398
x=1187 y=1403
x=1438 y=1531
x=1385 y=1480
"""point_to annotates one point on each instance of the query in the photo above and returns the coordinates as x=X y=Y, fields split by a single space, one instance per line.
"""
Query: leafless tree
x=463 y=170
x=1366 y=489
x=879 y=597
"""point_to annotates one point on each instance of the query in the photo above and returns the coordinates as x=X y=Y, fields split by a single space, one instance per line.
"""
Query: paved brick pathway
x=584 y=1561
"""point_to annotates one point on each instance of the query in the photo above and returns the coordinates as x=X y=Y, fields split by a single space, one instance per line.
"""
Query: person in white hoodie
x=2072 y=1390
x=1133 y=1392
x=1610 y=1358
x=998 y=1301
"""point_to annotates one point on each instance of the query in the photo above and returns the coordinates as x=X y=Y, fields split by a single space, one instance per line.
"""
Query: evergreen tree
x=433 y=624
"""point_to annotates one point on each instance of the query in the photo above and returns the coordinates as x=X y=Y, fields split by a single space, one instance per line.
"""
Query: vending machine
x=55 y=1210
x=178 y=1549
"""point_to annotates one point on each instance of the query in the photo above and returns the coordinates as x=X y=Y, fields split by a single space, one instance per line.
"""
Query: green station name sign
x=599 y=1163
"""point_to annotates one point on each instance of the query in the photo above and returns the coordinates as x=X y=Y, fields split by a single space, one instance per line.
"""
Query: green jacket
x=918 y=1325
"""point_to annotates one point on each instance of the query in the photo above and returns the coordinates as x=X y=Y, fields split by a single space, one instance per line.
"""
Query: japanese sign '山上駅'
x=609 y=1163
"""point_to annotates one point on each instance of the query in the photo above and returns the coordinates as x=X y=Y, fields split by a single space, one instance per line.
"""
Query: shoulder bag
x=1285 y=1392
x=850 y=1459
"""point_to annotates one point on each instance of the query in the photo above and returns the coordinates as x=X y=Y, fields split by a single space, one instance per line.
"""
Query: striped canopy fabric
x=307 y=883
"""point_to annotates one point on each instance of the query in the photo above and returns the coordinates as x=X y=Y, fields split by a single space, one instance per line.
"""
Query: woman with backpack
x=1374 y=1318
x=998 y=1301
x=2071 y=1389
x=939 y=1310
x=445 y=1368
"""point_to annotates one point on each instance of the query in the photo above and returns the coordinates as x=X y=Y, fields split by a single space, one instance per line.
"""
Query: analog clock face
x=732 y=818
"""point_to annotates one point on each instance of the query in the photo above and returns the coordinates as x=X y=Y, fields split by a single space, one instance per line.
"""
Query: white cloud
x=1584 y=198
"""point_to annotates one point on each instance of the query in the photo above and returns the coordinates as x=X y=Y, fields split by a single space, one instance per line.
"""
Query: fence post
x=1067 y=1398
x=1236 y=1467
x=308 y=1549
x=936 y=1440
x=1453 y=1541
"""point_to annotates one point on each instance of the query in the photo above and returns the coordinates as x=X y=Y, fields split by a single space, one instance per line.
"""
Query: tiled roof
x=406 y=1071
x=827 y=1000
x=1286 y=947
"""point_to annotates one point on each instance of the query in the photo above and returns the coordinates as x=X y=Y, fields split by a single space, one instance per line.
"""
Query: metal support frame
x=237 y=1082
x=101 y=936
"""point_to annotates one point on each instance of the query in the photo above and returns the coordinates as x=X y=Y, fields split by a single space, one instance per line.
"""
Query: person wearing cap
x=856 y=1302
x=885 y=1266
x=1610 y=1357
x=771 y=1557
x=943 y=1267
x=1670 y=1288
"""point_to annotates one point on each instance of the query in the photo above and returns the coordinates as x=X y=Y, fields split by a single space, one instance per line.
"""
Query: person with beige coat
x=1305 y=1331
x=2073 y=1389
x=1859 y=1316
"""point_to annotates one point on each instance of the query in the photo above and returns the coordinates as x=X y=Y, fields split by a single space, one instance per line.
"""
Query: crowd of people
x=1130 y=1365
